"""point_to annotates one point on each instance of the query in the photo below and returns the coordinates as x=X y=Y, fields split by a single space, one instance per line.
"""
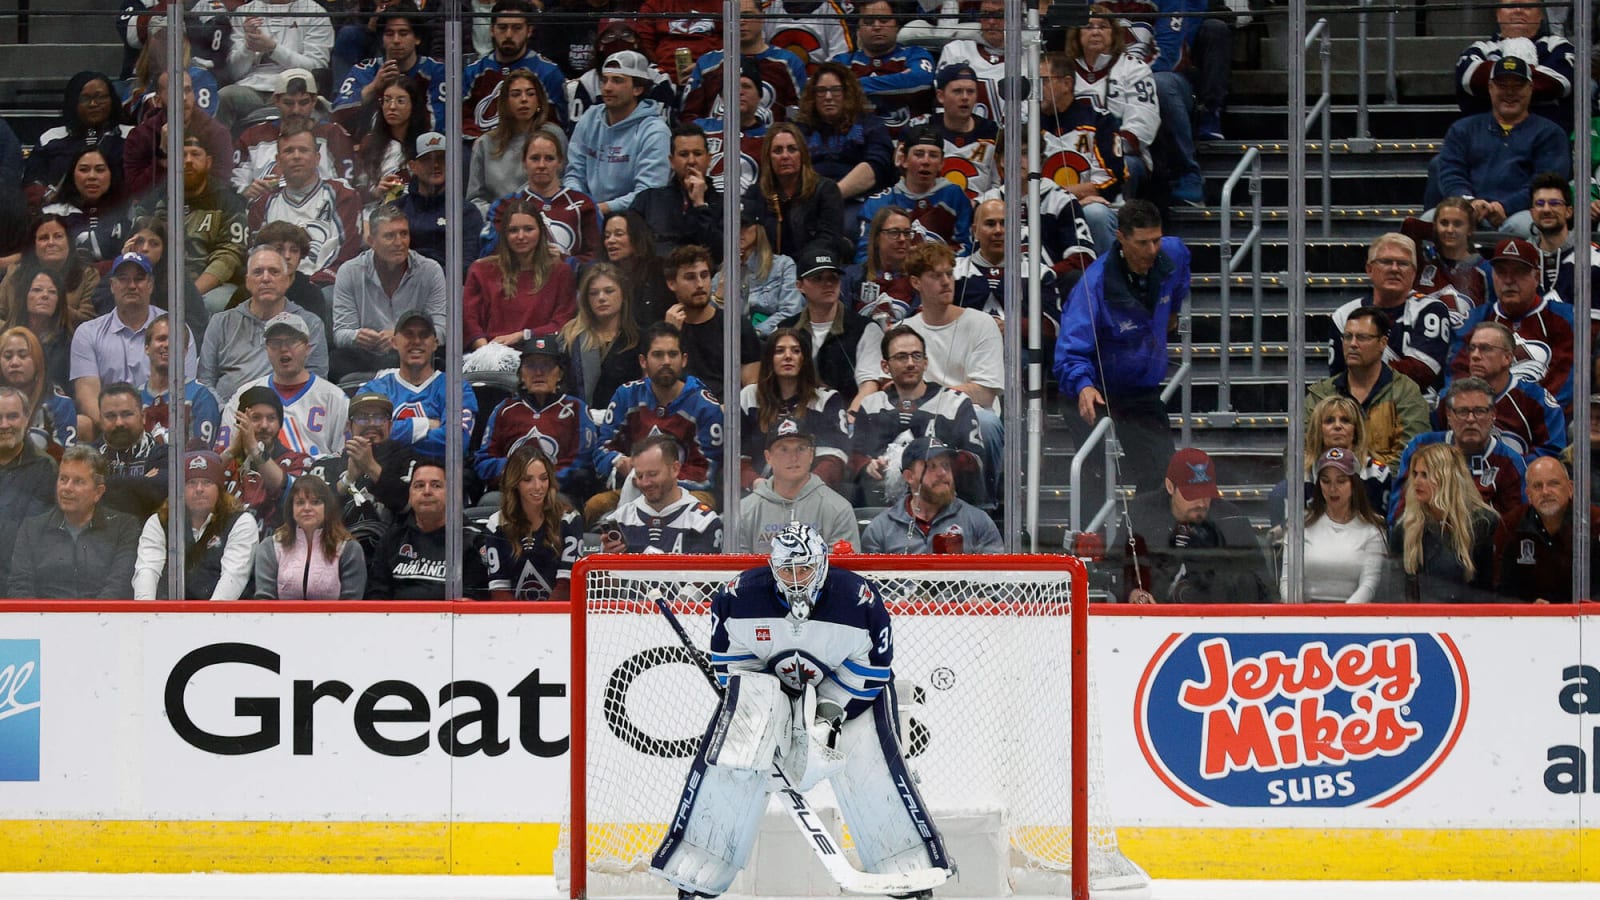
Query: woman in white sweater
x=221 y=538
x=1345 y=549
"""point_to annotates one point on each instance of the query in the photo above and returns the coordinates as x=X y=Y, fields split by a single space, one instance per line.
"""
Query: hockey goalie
x=803 y=657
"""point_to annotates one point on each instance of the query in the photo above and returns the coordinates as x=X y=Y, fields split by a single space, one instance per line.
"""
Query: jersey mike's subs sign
x=1312 y=719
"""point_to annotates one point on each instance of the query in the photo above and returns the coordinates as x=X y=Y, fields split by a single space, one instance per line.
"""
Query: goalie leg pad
x=753 y=719
x=891 y=826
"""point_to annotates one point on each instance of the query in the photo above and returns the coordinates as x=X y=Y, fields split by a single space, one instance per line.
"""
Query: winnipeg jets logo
x=864 y=596
x=796 y=672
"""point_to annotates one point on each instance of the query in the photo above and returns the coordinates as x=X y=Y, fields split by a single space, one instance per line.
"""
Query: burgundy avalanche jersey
x=572 y=217
x=562 y=429
x=782 y=79
x=749 y=152
x=1544 y=344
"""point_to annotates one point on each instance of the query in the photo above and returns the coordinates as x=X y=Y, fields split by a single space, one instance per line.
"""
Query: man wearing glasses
x=235 y=350
x=1392 y=405
x=110 y=349
x=1418 y=333
x=1497 y=470
x=314 y=409
x=1540 y=322
x=1529 y=419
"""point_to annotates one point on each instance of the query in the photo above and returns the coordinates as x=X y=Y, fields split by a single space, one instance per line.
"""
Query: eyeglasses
x=395 y=101
x=283 y=343
x=896 y=232
x=1393 y=263
x=829 y=91
x=1546 y=204
x=1487 y=348
x=1473 y=412
x=903 y=358
x=1349 y=338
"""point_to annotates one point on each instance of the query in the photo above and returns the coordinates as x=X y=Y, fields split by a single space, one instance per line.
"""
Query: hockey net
x=984 y=650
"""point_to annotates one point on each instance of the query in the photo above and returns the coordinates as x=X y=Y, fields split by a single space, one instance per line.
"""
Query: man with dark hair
x=372 y=477
x=753 y=121
x=620 y=147
x=213 y=226
x=663 y=518
x=699 y=321
x=687 y=209
x=908 y=407
x=896 y=77
x=665 y=400
x=969 y=137
x=1392 y=405
x=1533 y=546
x=417 y=388
x=1111 y=349
x=1540 y=321
x=1550 y=199
x=255 y=155
x=844 y=344
x=1189 y=545
x=328 y=209
x=136 y=463
x=27 y=474
x=1498 y=471
x=410 y=562
x=257 y=467
x=79 y=550
x=314 y=409
x=511 y=26
x=144 y=153
x=402 y=29
x=295 y=34
x=782 y=73
x=372 y=291
x=425 y=205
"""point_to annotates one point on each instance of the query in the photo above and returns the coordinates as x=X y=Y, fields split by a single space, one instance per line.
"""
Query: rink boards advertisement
x=1396 y=745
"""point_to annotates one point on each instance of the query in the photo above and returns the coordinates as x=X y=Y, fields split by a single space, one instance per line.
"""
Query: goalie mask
x=799 y=566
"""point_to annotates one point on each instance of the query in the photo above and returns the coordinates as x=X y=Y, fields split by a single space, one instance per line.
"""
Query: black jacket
x=1220 y=560
x=793 y=224
x=836 y=358
x=674 y=223
x=49 y=563
x=27 y=488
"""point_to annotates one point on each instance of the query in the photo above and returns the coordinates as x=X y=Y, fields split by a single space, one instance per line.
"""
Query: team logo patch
x=1306 y=720
x=763 y=633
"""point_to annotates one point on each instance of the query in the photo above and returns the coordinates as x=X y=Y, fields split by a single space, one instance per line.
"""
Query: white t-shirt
x=965 y=350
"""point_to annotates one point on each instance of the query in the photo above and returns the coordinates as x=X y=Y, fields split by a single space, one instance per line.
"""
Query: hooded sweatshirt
x=613 y=163
x=763 y=514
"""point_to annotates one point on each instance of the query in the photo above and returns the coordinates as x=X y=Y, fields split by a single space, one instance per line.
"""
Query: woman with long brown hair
x=788 y=386
x=49 y=246
x=393 y=120
x=534 y=538
x=603 y=338
x=524 y=110
x=800 y=206
x=1344 y=546
x=520 y=291
x=312 y=556
x=1445 y=535
x=849 y=143
x=627 y=244
x=219 y=538
x=52 y=417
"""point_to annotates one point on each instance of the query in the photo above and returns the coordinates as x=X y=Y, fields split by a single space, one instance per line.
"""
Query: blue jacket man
x=1111 y=349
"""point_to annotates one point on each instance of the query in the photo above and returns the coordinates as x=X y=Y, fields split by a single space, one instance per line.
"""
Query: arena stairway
x=1375 y=184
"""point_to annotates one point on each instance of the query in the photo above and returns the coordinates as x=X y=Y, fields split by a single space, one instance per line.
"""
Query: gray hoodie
x=763 y=513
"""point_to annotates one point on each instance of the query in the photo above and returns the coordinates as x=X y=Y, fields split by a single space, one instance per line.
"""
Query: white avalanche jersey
x=845 y=650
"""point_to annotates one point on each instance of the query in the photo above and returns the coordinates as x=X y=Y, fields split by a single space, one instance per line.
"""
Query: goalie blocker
x=804 y=655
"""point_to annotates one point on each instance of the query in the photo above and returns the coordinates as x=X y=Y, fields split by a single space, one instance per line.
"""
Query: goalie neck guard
x=799 y=564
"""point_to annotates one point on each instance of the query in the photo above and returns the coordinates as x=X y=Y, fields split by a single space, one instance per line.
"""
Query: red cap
x=1193 y=474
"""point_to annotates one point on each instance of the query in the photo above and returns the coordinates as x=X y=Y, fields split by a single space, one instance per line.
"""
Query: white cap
x=287 y=320
x=628 y=62
x=430 y=142
x=288 y=77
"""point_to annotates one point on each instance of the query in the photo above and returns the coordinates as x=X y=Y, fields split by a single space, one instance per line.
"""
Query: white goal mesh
x=982 y=677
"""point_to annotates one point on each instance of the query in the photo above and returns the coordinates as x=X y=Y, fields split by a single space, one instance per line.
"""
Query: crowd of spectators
x=871 y=254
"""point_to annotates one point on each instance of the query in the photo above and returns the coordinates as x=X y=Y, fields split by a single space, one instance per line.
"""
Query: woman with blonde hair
x=770 y=293
x=219 y=538
x=524 y=110
x=1337 y=422
x=534 y=538
x=603 y=337
x=312 y=556
x=1445 y=535
x=520 y=291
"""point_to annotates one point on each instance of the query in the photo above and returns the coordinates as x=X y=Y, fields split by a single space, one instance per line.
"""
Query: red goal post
x=637 y=713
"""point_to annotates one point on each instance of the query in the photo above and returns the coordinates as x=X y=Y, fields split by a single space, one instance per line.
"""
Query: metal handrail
x=1323 y=35
x=1231 y=263
x=1102 y=515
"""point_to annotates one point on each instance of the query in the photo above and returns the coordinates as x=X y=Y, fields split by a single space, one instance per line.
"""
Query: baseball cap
x=546 y=345
x=429 y=142
x=203 y=464
x=1511 y=67
x=752 y=212
x=1516 y=250
x=920 y=135
x=415 y=314
x=954 y=73
x=789 y=427
x=925 y=448
x=261 y=395
x=628 y=62
x=1337 y=458
x=1193 y=474
x=748 y=68
x=295 y=81
x=138 y=259
x=287 y=321
x=818 y=259
x=374 y=399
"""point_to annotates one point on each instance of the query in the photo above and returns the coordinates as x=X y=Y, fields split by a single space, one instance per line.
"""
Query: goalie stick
x=850 y=879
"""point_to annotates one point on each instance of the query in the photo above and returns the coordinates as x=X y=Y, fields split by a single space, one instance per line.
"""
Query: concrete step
x=1270 y=122
x=40 y=62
